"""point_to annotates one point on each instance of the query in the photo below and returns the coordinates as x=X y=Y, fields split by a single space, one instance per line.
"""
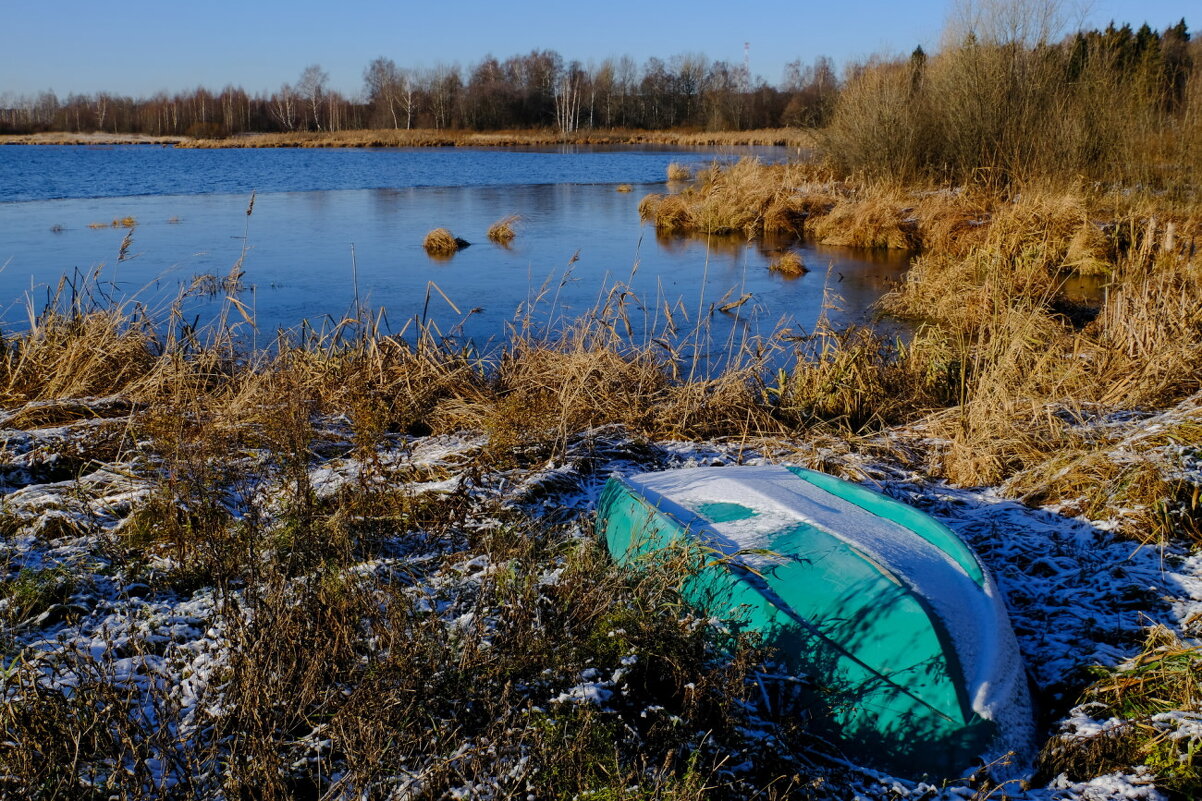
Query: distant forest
x=542 y=90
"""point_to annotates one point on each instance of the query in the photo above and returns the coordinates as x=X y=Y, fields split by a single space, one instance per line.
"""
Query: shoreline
x=103 y=139
x=387 y=138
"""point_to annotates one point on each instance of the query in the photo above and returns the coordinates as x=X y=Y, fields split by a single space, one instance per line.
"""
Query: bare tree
x=690 y=70
x=283 y=107
x=1021 y=22
x=567 y=98
x=383 y=81
x=407 y=97
x=443 y=86
x=312 y=87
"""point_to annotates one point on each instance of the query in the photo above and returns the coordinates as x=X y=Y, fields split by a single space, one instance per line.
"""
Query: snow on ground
x=1078 y=594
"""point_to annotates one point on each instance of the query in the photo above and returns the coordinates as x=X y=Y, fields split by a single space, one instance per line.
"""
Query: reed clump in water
x=502 y=231
x=441 y=242
x=1083 y=229
x=788 y=263
x=746 y=197
x=679 y=172
x=874 y=220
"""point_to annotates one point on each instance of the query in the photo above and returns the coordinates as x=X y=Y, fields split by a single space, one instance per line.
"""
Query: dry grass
x=624 y=188
x=502 y=231
x=95 y=138
x=875 y=221
x=993 y=385
x=441 y=242
x=789 y=264
x=393 y=688
x=998 y=113
x=781 y=137
x=746 y=197
x=1002 y=353
x=679 y=172
x=1024 y=372
x=1072 y=228
x=95 y=352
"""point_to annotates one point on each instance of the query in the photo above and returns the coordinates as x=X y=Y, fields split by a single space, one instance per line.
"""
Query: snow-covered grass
x=428 y=627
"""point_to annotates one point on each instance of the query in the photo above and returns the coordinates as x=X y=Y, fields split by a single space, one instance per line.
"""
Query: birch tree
x=312 y=87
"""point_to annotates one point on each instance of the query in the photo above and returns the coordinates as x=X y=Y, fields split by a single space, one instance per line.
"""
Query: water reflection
x=575 y=242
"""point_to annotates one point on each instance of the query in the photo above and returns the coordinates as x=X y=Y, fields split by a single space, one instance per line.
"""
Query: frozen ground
x=1078 y=593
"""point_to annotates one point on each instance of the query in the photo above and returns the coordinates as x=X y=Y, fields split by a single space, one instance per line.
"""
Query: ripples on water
x=578 y=237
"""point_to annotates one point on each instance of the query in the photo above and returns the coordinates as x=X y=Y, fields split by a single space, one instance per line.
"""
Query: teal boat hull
x=888 y=612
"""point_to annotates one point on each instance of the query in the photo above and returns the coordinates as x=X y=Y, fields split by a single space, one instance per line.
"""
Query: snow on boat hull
x=888 y=610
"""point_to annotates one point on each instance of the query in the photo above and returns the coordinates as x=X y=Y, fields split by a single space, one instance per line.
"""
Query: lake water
x=328 y=223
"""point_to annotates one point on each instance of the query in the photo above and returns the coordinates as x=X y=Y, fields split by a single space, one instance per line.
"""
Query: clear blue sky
x=138 y=47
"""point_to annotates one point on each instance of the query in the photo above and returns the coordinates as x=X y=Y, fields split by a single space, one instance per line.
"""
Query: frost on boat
x=888 y=610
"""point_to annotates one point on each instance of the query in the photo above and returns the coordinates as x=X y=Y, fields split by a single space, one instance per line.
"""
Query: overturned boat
x=889 y=613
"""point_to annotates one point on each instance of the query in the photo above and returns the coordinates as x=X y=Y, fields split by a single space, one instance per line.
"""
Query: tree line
x=536 y=90
x=986 y=99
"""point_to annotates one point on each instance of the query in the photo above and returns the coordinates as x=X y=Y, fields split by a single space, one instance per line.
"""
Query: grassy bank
x=1000 y=341
x=431 y=138
x=785 y=137
x=60 y=138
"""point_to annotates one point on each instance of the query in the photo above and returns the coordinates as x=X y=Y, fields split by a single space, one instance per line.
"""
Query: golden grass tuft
x=441 y=242
x=124 y=222
x=1089 y=251
x=624 y=188
x=649 y=207
x=789 y=264
x=99 y=353
x=746 y=197
x=502 y=231
x=950 y=221
x=679 y=172
x=875 y=221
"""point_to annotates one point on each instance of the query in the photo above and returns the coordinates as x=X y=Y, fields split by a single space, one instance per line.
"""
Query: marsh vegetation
x=357 y=564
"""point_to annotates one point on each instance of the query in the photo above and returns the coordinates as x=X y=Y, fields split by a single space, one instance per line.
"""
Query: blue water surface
x=334 y=232
x=42 y=172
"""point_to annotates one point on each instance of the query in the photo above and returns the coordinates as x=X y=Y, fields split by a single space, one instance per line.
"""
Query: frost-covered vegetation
x=363 y=566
